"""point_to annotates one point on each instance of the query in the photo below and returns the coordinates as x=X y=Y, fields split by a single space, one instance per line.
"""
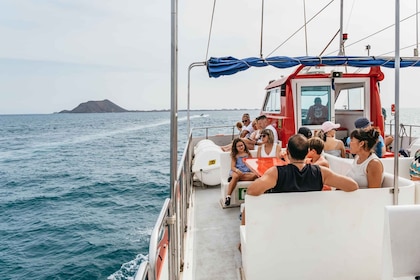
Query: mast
x=341 y=47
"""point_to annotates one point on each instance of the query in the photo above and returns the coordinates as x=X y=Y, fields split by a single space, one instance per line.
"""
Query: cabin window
x=272 y=101
x=350 y=99
x=315 y=104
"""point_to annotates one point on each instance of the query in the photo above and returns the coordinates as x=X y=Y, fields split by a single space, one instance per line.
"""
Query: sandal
x=227 y=201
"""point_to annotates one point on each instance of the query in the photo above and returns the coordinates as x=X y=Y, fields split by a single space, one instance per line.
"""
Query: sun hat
x=415 y=166
x=362 y=123
x=327 y=126
x=305 y=131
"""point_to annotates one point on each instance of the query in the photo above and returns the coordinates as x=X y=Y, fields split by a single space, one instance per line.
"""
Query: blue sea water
x=80 y=193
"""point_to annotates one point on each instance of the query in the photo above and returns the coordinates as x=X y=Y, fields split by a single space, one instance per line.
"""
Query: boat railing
x=142 y=271
x=181 y=202
x=407 y=132
x=226 y=129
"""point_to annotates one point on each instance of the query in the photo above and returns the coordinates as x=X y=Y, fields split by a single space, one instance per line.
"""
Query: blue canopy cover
x=222 y=66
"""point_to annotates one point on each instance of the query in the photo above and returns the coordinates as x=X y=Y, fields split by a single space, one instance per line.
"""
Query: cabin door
x=314 y=103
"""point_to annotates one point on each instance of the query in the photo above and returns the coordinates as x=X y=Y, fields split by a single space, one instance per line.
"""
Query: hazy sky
x=57 y=54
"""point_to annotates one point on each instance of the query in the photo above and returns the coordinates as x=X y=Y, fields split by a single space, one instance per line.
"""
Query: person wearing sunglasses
x=247 y=126
x=268 y=148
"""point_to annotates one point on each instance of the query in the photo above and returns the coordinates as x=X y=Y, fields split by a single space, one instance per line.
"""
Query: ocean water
x=80 y=193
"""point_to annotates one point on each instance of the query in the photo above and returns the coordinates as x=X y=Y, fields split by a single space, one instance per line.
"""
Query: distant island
x=104 y=106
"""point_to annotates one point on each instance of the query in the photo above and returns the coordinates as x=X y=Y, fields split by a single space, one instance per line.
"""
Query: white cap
x=327 y=126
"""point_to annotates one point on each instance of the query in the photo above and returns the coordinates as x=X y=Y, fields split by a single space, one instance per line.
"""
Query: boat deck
x=215 y=255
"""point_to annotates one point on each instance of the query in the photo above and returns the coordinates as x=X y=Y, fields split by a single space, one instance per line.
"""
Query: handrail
x=207 y=128
x=155 y=238
x=182 y=190
x=142 y=272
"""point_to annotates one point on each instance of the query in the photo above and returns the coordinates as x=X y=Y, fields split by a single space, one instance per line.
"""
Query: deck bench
x=317 y=235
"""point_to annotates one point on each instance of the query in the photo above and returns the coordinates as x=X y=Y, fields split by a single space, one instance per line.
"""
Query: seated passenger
x=268 y=148
x=248 y=128
x=305 y=132
x=298 y=176
x=415 y=167
x=380 y=147
x=332 y=146
x=367 y=170
x=317 y=113
x=239 y=126
x=316 y=146
x=254 y=139
x=264 y=123
x=239 y=171
x=251 y=140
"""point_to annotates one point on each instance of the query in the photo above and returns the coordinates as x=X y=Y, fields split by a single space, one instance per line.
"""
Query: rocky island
x=104 y=106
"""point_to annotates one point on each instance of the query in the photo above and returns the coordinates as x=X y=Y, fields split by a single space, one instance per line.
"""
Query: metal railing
x=407 y=132
x=182 y=190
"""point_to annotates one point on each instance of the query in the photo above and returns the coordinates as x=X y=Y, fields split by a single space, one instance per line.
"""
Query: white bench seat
x=317 y=235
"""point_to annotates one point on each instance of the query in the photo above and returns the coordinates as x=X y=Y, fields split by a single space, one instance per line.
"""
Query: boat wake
x=128 y=269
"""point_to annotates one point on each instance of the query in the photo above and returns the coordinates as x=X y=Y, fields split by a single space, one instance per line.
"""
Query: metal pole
x=341 y=49
x=306 y=31
x=173 y=254
x=262 y=28
x=416 y=52
x=188 y=93
x=397 y=97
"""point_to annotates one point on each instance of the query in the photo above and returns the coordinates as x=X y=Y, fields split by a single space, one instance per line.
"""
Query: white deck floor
x=216 y=238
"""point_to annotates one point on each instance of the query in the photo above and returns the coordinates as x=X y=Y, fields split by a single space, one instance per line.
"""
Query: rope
x=211 y=27
x=291 y=36
x=375 y=33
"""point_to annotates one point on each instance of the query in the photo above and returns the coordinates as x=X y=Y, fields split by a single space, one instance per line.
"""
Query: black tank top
x=291 y=179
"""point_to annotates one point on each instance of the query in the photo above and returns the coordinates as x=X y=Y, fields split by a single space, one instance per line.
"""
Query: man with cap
x=364 y=123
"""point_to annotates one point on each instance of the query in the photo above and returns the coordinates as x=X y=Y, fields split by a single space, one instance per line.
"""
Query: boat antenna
x=262 y=28
x=211 y=28
x=306 y=31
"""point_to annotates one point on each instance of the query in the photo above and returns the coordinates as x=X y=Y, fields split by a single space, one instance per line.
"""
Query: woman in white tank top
x=367 y=170
x=268 y=147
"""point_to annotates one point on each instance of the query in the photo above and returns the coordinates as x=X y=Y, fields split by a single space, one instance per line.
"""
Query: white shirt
x=248 y=128
x=358 y=171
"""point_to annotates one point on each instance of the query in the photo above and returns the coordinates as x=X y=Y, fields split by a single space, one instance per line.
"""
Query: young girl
x=239 y=171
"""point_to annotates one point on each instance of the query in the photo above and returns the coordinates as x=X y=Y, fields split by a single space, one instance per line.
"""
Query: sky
x=56 y=54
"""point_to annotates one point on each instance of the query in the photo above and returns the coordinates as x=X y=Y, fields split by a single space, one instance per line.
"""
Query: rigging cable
x=300 y=28
x=211 y=27
x=375 y=33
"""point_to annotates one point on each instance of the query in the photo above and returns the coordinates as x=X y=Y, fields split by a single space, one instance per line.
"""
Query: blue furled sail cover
x=229 y=65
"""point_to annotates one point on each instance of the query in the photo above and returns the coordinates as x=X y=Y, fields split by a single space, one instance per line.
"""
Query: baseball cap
x=362 y=123
x=327 y=126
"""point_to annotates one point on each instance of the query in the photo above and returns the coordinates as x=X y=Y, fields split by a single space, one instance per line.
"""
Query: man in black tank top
x=298 y=176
